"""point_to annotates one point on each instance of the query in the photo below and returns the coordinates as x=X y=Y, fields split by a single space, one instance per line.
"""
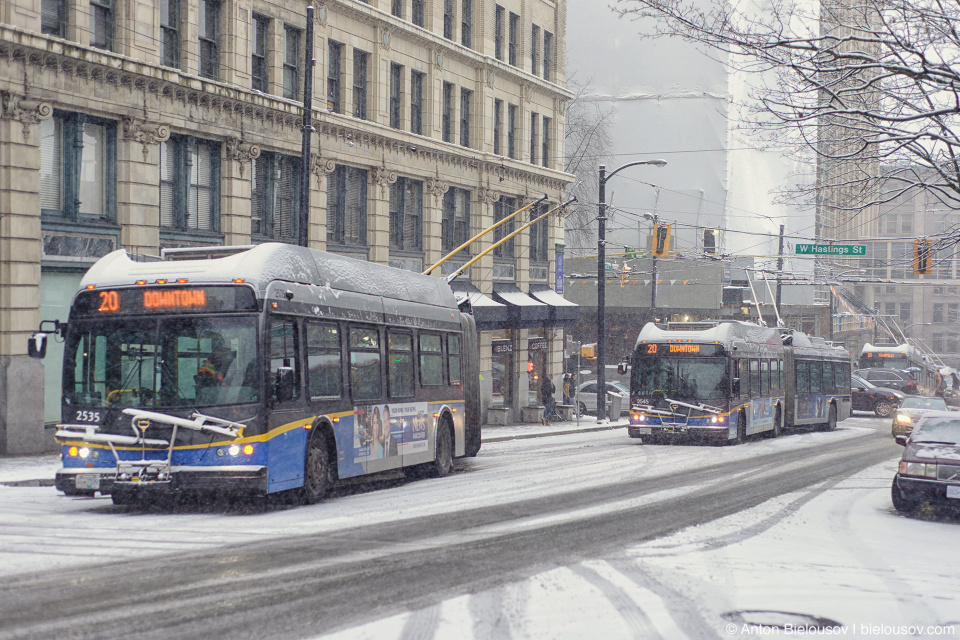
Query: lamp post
x=602 y=281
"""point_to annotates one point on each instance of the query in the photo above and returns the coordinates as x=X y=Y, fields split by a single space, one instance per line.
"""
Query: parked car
x=910 y=411
x=867 y=396
x=588 y=396
x=902 y=381
x=929 y=469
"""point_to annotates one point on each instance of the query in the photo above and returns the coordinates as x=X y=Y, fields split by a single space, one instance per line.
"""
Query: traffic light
x=922 y=256
x=710 y=240
x=661 y=240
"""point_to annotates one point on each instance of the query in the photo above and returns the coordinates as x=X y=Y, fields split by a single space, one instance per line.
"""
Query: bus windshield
x=161 y=362
x=681 y=378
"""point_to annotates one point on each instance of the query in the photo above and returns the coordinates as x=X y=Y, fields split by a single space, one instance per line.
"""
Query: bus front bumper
x=719 y=433
x=250 y=479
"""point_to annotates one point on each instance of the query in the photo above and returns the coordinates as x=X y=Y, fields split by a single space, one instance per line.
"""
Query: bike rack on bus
x=672 y=414
x=143 y=470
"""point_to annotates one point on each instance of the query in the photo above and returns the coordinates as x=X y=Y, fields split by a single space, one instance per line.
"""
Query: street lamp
x=602 y=281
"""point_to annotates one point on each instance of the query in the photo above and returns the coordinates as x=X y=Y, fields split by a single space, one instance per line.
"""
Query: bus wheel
x=831 y=423
x=317 y=474
x=443 y=462
x=741 y=428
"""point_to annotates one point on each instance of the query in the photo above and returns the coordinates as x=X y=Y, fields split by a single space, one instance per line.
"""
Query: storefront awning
x=563 y=313
x=488 y=314
x=524 y=311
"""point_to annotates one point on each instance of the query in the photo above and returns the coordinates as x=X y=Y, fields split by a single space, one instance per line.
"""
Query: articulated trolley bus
x=258 y=370
x=721 y=382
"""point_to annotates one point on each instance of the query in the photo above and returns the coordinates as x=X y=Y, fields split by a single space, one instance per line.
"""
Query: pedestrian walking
x=546 y=396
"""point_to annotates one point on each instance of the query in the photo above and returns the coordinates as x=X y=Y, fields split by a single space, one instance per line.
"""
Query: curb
x=526 y=436
x=44 y=482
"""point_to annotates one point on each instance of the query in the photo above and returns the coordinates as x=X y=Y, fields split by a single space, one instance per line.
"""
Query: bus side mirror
x=736 y=386
x=286 y=383
x=37 y=345
x=622 y=368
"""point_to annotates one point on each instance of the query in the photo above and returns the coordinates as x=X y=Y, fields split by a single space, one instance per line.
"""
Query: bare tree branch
x=870 y=88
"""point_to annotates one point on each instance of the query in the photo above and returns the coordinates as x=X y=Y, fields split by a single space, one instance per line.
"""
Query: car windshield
x=945 y=429
x=918 y=402
x=161 y=362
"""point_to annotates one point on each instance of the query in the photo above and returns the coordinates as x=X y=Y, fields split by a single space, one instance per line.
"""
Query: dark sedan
x=869 y=397
x=929 y=469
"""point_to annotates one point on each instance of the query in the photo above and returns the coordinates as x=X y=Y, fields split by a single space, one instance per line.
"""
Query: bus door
x=285 y=410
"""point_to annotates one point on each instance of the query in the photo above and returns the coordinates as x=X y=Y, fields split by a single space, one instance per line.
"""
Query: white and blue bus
x=259 y=370
x=721 y=382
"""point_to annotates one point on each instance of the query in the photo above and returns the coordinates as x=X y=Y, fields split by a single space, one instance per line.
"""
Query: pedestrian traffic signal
x=661 y=240
x=922 y=256
x=588 y=351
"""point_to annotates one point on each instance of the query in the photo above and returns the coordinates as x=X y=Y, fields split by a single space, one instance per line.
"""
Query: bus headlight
x=234 y=449
x=84 y=452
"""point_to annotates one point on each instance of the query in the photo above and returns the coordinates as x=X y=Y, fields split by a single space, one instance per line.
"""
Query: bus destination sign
x=164 y=299
x=679 y=349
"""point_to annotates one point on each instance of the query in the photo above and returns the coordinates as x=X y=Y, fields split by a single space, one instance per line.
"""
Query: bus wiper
x=699 y=407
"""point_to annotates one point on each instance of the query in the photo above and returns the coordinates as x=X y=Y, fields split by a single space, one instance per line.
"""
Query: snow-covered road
x=834 y=554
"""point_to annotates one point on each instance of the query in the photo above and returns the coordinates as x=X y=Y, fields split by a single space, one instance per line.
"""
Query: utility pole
x=653 y=269
x=602 y=296
x=303 y=237
x=779 y=273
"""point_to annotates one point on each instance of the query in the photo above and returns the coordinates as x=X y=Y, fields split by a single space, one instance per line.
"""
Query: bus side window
x=816 y=377
x=754 y=378
x=365 y=374
x=775 y=375
x=842 y=375
x=400 y=375
x=284 y=360
x=431 y=360
x=803 y=377
x=453 y=359
x=737 y=378
x=828 y=385
x=764 y=377
x=323 y=360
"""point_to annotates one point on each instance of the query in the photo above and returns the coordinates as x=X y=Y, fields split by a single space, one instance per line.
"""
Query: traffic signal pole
x=653 y=270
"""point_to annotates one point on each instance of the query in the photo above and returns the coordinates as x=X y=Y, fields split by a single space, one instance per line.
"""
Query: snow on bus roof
x=271 y=261
x=723 y=332
x=905 y=349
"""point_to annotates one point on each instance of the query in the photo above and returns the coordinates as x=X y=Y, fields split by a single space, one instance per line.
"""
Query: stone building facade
x=144 y=125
